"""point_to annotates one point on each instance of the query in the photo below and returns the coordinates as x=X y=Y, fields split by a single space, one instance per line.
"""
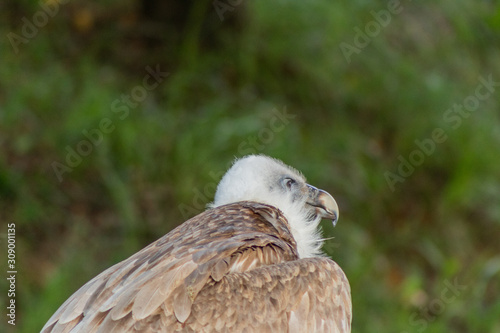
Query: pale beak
x=326 y=206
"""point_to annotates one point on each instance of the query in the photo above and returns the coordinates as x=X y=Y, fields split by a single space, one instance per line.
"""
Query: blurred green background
x=350 y=93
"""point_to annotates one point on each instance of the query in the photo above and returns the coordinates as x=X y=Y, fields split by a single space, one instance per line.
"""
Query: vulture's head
x=266 y=180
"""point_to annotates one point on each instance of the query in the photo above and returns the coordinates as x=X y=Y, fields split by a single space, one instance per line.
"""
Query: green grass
x=349 y=124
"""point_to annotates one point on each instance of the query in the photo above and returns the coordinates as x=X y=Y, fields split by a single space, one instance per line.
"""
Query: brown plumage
x=233 y=268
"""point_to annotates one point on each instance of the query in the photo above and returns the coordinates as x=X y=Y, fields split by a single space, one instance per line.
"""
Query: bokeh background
x=96 y=163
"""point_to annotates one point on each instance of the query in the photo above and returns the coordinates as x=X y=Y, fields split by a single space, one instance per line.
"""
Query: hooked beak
x=326 y=206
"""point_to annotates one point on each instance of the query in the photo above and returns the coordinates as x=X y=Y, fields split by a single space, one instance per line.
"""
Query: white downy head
x=267 y=180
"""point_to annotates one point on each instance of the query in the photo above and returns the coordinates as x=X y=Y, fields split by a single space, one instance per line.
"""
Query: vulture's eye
x=289 y=182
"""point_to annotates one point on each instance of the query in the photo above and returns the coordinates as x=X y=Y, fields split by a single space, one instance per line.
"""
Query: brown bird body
x=233 y=268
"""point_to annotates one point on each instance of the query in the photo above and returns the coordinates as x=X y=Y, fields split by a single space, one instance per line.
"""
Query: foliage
x=348 y=125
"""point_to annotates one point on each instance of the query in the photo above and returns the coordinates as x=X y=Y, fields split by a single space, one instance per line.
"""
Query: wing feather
x=305 y=295
x=163 y=280
x=219 y=269
x=232 y=268
x=153 y=293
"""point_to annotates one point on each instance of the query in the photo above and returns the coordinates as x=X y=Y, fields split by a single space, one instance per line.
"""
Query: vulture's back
x=233 y=268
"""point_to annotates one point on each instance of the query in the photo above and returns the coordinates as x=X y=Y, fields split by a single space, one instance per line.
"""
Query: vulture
x=251 y=262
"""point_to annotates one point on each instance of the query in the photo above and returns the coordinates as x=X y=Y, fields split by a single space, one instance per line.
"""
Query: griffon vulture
x=250 y=263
